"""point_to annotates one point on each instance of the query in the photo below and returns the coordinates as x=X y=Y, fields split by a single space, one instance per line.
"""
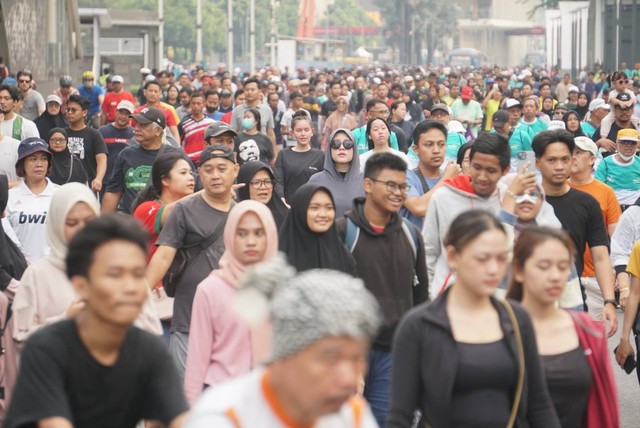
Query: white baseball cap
x=586 y=144
x=511 y=102
x=598 y=103
x=556 y=124
x=126 y=105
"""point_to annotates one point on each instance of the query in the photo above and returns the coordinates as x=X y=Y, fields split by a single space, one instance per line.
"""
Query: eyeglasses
x=623 y=109
x=392 y=186
x=627 y=142
x=256 y=184
x=24 y=81
x=532 y=197
x=335 y=145
x=57 y=140
x=623 y=81
x=72 y=110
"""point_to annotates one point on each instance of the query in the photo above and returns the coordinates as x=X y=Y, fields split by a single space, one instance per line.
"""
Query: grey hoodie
x=447 y=202
x=344 y=188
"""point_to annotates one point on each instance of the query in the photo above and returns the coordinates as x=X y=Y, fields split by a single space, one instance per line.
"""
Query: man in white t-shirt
x=8 y=157
x=322 y=323
x=12 y=124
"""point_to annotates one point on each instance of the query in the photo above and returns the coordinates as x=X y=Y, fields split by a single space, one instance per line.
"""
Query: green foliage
x=347 y=13
x=180 y=23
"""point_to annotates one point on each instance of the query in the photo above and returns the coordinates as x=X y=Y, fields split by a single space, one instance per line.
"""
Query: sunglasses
x=623 y=81
x=335 y=145
x=532 y=197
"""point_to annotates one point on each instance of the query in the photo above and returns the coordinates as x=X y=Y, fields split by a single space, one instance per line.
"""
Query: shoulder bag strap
x=521 y=368
x=71 y=162
x=423 y=182
x=219 y=230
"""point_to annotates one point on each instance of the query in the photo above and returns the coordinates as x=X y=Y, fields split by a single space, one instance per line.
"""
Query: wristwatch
x=611 y=301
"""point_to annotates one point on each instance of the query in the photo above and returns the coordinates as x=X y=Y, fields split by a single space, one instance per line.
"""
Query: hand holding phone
x=629 y=362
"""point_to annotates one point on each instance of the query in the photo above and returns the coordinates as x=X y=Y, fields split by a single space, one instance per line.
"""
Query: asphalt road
x=628 y=388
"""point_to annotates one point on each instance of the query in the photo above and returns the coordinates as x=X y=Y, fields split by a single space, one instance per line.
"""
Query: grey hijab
x=343 y=187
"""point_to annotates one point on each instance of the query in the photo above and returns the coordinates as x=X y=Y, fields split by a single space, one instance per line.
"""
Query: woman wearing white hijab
x=45 y=294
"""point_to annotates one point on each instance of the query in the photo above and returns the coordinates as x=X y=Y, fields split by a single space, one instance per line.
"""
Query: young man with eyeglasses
x=85 y=142
x=390 y=258
x=490 y=158
x=584 y=157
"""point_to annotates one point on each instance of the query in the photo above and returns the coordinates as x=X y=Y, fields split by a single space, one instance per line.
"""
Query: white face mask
x=626 y=158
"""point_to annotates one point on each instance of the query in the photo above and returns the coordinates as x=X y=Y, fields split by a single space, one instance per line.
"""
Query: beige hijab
x=62 y=202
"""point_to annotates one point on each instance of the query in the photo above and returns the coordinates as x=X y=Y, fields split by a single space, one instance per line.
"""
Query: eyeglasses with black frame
x=256 y=184
x=392 y=186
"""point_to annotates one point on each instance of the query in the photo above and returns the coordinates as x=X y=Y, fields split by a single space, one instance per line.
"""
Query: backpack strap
x=352 y=235
x=411 y=232
x=17 y=128
x=423 y=182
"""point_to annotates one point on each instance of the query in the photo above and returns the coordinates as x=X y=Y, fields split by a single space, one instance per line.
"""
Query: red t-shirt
x=111 y=101
x=150 y=213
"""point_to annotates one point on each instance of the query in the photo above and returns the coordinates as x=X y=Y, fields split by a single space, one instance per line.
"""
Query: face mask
x=626 y=158
x=88 y=85
x=247 y=123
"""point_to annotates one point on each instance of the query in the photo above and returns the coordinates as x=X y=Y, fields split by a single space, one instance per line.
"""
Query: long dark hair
x=468 y=226
x=529 y=240
x=161 y=168
x=256 y=117
x=369 y=140
x=615 y=76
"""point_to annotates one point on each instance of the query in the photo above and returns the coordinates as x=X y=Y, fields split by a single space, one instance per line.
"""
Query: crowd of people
x=360 y=247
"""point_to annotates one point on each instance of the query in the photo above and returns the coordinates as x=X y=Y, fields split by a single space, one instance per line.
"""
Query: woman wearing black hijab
x=67 y=168
x=258 y=180
x=52 y=116
x=309 y=236
x=571 y=121
x=12 y=261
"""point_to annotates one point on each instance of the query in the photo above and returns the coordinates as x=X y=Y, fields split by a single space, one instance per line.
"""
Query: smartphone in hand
x=629 y=363
x=528 y=156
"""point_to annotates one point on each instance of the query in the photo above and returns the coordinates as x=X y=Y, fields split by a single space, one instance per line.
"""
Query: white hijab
x=62 y=202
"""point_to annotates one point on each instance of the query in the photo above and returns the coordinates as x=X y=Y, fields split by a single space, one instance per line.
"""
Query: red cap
x=467 y=93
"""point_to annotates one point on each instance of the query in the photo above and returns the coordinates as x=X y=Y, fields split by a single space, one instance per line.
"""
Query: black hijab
x=550 y=111
x=247 y=171
x=46 y=122
x=67 y=168
x=565 y=119
x=582 y=111
x=12 y=261
x=309 y=250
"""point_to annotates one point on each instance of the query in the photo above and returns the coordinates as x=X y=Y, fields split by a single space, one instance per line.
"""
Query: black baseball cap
x=500 y=118
x=217 y=151
x=218 y=128
x=623 y=96
x=150 y=115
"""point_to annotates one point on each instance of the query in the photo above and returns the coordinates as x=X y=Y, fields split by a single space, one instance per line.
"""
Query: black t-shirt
x=116 y=139
x=328 y=107
x=613 y=135
x=581 y=217
x=86 y=144
x=131 y=172
x=59 y=378
x=254 y=147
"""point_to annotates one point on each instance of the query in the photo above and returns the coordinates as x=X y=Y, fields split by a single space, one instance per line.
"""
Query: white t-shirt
x=27 y=214
x=9 y=157
x=245 y=403
x=29 y=129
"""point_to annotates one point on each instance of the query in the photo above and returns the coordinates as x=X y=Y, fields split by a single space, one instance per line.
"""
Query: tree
x=180 y=22
x=434 y=21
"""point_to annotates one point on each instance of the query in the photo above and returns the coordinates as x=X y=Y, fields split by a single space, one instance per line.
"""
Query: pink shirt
x=219 y=341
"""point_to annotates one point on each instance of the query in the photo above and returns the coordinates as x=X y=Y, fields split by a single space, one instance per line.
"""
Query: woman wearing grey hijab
x=341 y=175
